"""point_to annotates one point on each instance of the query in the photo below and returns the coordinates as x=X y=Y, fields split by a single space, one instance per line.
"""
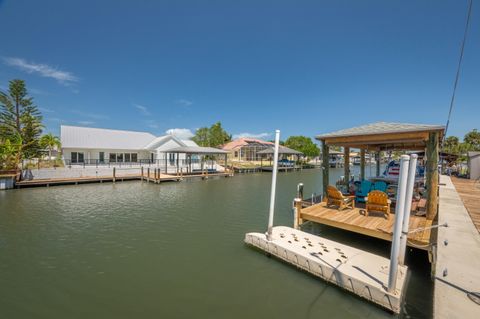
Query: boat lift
x=372 y=277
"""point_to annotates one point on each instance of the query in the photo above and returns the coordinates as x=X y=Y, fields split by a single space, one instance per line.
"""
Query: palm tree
x=50 y=141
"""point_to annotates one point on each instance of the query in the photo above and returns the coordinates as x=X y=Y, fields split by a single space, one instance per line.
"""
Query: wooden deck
x=110 y=178
x=374 y=225
x=469 y=192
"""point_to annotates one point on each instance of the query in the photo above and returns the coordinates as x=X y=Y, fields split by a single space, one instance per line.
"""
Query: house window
x=134 y=157
x=119 y=157
x=77 y=157
x=171 y=157
x=101 y=156
x=127 y=157
x=236 y=153
x=112 y=157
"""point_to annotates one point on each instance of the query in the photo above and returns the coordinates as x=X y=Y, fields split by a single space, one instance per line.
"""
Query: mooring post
x=297 y=207
x=141 y=173
x=412 y=170
x=274 y=185
x=114 y=174
x=148 y=174
x=397 y=228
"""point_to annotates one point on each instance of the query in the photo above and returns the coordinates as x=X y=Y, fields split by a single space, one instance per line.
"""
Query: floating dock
x=362 y=273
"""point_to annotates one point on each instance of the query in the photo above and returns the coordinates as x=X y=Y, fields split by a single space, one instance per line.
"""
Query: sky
x=304 y=67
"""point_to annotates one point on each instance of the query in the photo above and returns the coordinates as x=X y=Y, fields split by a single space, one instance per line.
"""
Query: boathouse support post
x=397 y=227
x=432 y=175
x=274 y=185
x=325 y=167
x=412 y=169
x=377 y=163
x=346 y=165
x=362 y=164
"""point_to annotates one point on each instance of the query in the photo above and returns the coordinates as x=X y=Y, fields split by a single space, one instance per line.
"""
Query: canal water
x=175 y=250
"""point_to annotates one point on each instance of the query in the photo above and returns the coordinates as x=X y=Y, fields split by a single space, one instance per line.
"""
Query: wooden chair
x=336 y=198
x=377 y=201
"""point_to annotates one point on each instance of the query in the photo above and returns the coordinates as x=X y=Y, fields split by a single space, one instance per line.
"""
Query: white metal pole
x=397 y=228
x=412 y=170
x=274 y=185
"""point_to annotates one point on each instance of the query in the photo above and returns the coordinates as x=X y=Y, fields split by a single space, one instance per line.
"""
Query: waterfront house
x=87 y=145
x=246 y=149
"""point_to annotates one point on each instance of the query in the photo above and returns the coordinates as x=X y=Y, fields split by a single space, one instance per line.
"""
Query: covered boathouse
x=378 y=137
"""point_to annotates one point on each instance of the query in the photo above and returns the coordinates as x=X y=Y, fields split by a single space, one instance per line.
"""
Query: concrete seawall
x=458 y=257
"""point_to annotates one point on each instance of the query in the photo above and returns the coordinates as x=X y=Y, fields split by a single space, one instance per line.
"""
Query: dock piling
x=412 y=169
x=274 y=184
x=397 y=228
x=114 y=174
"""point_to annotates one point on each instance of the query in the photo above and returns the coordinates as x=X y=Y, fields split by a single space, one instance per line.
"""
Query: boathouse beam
x=325 y=167
x=362 y=164
x=377 y=164
x=346 y=164
x=432 y=176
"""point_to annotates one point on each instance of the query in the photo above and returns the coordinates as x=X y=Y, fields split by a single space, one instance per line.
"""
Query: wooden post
x=297 y=208
x=362 y=164
x=377 y=168
x=346 y=165
x=431 y=172
x=166 y=167
x=325 y=167
x=141 y=172
x=114 y=174
x=148 y=174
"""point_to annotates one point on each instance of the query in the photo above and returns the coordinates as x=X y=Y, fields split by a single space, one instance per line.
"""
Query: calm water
x=170 y=251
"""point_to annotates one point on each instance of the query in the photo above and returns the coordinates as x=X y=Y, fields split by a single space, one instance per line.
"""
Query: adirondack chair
x=362 y=192
x=380 y=186
x=377 y=201
x=336 y=198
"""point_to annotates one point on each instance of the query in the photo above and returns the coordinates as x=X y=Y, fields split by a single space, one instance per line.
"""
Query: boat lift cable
x=452 y=101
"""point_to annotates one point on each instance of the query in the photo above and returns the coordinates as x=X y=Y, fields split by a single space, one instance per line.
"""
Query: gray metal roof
x=473 y=154
x=382 y=128
x=100 y=138
x=195 y=150
x=281 y=150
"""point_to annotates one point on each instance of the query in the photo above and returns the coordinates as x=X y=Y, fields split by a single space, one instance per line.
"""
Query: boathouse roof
x=383 y=136
x=196 y=150
x=281 y=150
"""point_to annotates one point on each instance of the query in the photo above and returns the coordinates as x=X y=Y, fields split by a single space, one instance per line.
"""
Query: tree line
x=21 y=127
x=471 y=142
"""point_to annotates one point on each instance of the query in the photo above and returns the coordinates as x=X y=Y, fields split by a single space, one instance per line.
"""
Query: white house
x=86 y=145
x=474 y=164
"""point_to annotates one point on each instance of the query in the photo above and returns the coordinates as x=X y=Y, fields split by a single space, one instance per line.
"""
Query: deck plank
x=374 y=225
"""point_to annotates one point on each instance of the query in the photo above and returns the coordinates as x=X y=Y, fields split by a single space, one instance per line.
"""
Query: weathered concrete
x=458 y=257
x=358 y=271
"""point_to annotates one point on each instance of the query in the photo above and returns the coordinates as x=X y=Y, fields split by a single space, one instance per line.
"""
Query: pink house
x=245 y=148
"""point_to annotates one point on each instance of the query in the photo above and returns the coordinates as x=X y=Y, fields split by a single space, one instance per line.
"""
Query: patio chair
x=377 y=201
x=362 y=192
x=380 y=186
x=336 y=198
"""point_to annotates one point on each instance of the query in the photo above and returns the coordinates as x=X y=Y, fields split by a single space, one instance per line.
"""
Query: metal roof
x=100 y=138
x=196 y=150
x=281 y=150
x=473 y=154
x=382 y=128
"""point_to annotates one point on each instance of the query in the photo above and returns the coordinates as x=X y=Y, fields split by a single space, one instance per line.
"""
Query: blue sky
x=305 y=67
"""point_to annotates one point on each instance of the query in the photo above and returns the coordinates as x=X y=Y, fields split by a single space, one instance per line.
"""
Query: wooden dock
x=154 y=176
x=469 y=191
x=373 y=225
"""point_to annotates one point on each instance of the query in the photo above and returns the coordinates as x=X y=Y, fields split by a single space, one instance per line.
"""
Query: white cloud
x=86 y=122
x=184 y=102
x=143 y=109
x=63 y=77
x=45 y=110
x=181 y=133
x=252 y=135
